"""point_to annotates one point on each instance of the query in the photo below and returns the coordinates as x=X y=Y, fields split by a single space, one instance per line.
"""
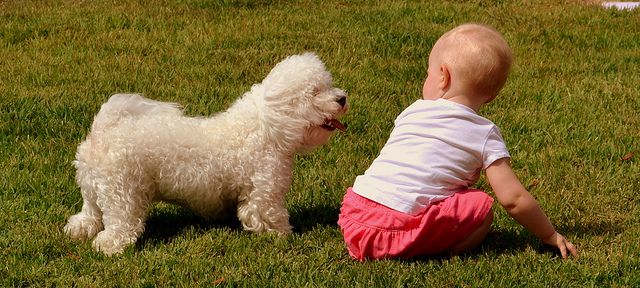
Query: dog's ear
x=315 y=90
x=284 y=131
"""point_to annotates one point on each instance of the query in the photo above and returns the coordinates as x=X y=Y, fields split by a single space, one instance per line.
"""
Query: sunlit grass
x=568 y=114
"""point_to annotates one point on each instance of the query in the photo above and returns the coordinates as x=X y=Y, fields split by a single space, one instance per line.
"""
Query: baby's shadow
x=496 y=243
x=507 y=242
x=592 y=228
x=517 y=241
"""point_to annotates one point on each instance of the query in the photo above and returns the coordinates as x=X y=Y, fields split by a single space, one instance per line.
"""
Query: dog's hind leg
x=124 y=210
x=85 y=224
x=88 y=222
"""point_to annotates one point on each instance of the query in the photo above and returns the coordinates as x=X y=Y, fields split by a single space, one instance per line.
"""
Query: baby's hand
x=558 y=240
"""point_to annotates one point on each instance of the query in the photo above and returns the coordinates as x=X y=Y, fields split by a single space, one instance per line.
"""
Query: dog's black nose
x=342 y=100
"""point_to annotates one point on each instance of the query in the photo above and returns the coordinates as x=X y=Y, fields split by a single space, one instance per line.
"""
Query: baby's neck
x=470 y=101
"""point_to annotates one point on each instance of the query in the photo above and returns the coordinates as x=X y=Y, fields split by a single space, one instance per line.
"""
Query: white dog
x=141 y=150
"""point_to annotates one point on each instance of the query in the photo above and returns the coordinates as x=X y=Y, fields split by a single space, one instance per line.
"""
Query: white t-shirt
x=436 y=149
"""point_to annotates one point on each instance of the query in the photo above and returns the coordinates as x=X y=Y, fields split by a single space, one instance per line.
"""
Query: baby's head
x=477 y=57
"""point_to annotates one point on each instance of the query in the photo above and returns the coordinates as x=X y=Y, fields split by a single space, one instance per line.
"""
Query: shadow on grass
x=306 y=219
x=165 y=224
x=517 y=241
x=496 y=243
x=591 y=228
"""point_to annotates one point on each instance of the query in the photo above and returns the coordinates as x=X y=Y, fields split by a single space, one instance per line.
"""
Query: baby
x=414 y=199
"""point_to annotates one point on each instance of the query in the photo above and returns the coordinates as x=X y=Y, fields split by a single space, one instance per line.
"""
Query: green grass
x=569 y=113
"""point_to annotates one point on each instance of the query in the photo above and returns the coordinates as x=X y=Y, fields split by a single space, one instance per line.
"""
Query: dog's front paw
x=111 y=242
x=82 y=227
x=262 y=219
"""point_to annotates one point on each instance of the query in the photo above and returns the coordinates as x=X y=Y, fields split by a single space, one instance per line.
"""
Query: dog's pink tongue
x=337 y=124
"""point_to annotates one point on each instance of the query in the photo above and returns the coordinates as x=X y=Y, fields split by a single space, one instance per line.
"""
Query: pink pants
x=374 y=231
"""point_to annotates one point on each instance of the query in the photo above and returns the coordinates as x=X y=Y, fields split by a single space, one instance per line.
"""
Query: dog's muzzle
x=333 y=124
x=342 y=100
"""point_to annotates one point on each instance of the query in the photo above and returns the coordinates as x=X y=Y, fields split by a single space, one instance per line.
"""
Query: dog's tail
x=122 y=106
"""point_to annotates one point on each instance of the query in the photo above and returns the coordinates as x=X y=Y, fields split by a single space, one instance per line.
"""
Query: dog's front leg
x=262 y=209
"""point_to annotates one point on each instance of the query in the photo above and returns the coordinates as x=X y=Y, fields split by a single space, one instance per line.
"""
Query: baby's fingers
x=566 y=245
x=573 y=249
x=561 y=243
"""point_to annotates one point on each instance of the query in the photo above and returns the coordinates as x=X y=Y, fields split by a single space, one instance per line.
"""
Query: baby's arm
x=523 y=207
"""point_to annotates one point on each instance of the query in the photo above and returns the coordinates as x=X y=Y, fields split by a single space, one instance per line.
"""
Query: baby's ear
x=445 y=77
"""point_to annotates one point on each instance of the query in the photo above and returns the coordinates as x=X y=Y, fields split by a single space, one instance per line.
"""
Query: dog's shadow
x=167 y=222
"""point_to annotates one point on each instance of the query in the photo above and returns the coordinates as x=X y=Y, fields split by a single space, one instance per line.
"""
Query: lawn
x=569 y=114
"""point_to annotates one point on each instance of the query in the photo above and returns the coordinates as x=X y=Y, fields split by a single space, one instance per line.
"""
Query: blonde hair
x=480 y=56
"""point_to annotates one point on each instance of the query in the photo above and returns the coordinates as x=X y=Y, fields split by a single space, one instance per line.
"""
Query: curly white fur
x=140 y=150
